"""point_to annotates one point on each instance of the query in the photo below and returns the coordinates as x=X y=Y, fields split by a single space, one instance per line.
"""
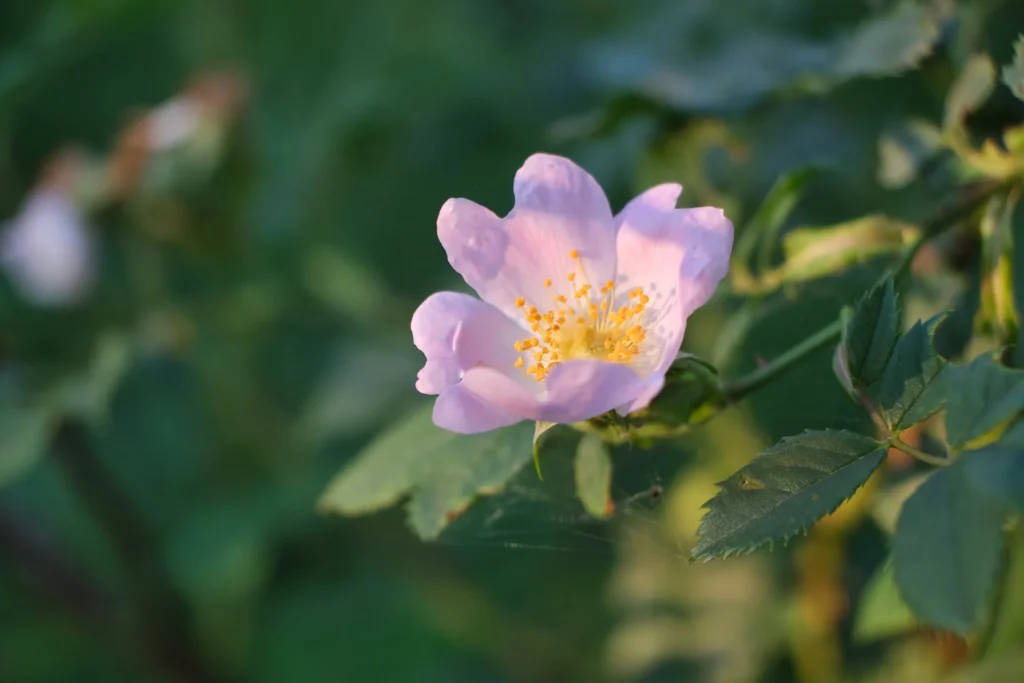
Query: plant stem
x=163 y=628
x=972 y=199
x=744 y=386
x=935 y=460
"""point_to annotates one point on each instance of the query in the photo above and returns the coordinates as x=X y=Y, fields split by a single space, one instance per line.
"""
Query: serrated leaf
x=972 y=87
x=593 y=469
x=1013 y=73
x=912 y=389
x=870 y=334
x=441 y=470
x=983 y=395
x=816 y=252
x=889 y=43
x=947 y=550
x=997 y=470
x=882 y=612
x=785 y=489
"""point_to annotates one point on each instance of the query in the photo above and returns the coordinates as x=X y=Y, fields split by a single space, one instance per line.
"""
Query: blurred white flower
x=46 y=250
x=172 y=124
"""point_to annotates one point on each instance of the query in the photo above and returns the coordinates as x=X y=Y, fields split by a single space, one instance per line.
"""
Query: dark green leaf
x=998 y=469
x=882 y=612
x=442 y=471
x=785 y=489
x=816 y=252
x=24 y=435
x=539 y=429
x=911 y=385
x=594 y=476
x=904 y=150
x=946 y=551
x=982 y=395
x=870 y=334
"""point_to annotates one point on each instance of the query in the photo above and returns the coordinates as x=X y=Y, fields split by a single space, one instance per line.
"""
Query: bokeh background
x=168 y=429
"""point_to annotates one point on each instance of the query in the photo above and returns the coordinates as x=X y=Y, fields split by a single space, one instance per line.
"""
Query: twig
x=163 y=630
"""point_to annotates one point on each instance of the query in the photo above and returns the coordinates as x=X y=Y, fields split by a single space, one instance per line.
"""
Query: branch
x=163 y=628
x=970 y=201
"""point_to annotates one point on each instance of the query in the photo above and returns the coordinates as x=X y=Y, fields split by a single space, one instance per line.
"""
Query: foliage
x=201 y=450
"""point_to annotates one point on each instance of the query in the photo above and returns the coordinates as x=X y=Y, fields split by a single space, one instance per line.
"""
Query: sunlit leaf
x=912 y=389
x=440 y=470
x=986 y=395
x=947 y=550
x=1013 y=73
x=972 y=87
x=762 y=230
x=870 y=334
x=903 y=151
x=785 y=490
x=593 y=470
x=815 y=252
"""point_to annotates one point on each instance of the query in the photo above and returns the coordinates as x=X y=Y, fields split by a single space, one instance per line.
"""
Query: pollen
x=593 y=322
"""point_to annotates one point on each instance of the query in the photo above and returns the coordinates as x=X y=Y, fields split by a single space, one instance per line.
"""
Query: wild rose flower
x=580 y=311
x=47 y=251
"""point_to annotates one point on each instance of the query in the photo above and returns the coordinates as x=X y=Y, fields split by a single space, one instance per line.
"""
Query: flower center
x=585 y=326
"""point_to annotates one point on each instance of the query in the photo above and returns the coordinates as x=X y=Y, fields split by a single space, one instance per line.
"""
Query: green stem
x=739 y=389
x=968 y=203
x=918 y=454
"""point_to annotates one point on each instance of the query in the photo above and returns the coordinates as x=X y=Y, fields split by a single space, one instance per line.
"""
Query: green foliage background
x=249 y=336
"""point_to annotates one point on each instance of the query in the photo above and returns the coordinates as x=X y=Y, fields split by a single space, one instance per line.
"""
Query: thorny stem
x=971 y=200
x=163 y=629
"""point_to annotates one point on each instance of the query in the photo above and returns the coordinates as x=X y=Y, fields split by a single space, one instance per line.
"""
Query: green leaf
x=911 y=385
x=762 y=230
x=870 y=334
x=539 y=429
x=882 y=612
x=816 y=252
x=1013 y=73
x=888 y=43
x=972 y=87
x=998 y=469
x=903 y=152
x=593 y=469
x=987 y=394
x=24 y=436
x=947 y=550
x=441 y=470
x=785 y=489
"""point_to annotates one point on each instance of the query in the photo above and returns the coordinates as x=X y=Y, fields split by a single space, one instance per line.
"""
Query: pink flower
x=580 y=311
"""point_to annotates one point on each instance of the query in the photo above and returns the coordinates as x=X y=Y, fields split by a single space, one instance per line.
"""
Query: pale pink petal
x=457 y=332
x=459 y=410
x=652 y=387
x=678 y=256
x=582 y=389
x=559 y=208
x=575 y=390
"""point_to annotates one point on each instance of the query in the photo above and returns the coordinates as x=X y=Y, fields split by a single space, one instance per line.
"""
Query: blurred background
x=220 y=218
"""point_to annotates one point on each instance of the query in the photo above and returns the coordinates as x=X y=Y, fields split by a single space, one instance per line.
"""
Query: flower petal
x=457 y=332
x=677 y=255
x=576 y=390
x=459 y=410
x=559 y=208
x=652 y=387
x=582 y=389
